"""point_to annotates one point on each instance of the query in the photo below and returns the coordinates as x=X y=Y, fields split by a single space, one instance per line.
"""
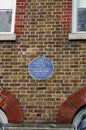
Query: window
x=78 y=19
x=79 y=16
x=79 y=120
x=7 y=18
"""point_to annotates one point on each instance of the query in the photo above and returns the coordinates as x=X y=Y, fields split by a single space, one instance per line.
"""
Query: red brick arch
x=11 y=107
x=71 y=106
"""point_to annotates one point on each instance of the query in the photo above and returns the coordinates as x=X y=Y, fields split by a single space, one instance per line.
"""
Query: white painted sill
x=77 y=36
x=7 y=37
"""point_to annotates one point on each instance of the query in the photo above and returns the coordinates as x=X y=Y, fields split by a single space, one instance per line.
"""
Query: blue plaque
x=41 y=68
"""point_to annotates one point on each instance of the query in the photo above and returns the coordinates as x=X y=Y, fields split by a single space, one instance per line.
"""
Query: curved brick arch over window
x=11 y=107
x=71 y=106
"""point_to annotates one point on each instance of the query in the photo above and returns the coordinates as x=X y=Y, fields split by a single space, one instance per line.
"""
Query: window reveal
x=78 y=16
x=7 y=16
x=81 y=15
x=78 y=30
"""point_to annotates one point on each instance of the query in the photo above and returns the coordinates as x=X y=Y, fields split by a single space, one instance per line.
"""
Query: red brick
x=68 y=109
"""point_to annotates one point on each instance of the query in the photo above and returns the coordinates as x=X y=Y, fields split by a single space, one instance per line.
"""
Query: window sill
x=7 y=37
x=77 y=36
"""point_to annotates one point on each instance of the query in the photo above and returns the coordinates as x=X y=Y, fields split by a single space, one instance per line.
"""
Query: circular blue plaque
x=40 y=68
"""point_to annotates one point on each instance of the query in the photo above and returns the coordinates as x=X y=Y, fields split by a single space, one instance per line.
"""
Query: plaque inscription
x=41 y=68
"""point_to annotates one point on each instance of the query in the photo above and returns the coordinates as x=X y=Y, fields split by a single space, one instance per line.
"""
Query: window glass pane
x=81 y=20
x=5 y=20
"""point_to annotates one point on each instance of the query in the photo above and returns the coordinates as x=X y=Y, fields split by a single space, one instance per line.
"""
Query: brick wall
x=42 y=28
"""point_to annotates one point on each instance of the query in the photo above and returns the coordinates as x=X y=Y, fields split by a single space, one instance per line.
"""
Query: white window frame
x=13 y=16
x=3 y=117
x=7 y=36
x=74 y=15
x=75 y=35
